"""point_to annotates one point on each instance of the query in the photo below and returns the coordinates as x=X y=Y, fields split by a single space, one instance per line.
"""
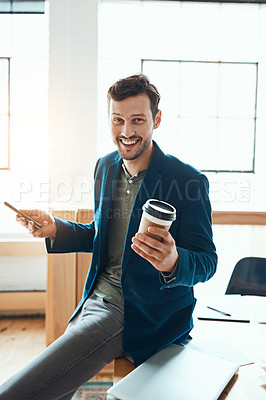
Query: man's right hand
x=47 y=221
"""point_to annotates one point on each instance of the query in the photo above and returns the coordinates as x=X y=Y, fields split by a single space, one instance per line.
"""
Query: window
x=23 y=114
x=208 y=62
x=4 y=112
x=22 y=6
x=210 y=106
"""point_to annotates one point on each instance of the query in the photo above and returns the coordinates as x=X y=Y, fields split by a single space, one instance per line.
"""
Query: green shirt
x=108 y=283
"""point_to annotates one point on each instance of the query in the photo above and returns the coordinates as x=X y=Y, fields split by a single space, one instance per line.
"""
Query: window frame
x=23 y=7
x=7 y=168
x=256 y=64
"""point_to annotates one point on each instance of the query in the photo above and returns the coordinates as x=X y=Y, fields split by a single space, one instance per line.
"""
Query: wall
x=233 y=242
x=72 y=126
x=72 y=102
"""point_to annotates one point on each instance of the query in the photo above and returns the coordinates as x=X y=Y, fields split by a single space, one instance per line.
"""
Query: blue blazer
x=156 y=313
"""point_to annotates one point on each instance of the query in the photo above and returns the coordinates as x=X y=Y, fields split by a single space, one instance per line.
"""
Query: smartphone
x=27 y=218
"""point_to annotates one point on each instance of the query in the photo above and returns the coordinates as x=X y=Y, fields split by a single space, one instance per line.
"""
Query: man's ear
x=157 y=119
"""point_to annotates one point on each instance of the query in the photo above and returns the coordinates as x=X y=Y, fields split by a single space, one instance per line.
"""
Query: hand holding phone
x=43 y=228
x=27 y=218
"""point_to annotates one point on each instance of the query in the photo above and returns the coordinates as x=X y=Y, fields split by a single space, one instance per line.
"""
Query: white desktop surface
x=247 y=338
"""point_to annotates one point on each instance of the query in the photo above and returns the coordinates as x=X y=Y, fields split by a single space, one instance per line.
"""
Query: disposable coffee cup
x=156 y=213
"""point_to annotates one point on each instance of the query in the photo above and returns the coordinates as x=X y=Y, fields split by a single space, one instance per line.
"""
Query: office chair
x=248 y=277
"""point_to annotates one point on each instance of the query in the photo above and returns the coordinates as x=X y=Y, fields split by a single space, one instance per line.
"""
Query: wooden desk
x=250 y=339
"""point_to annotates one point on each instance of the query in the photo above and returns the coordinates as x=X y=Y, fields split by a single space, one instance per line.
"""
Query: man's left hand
x=162 y=255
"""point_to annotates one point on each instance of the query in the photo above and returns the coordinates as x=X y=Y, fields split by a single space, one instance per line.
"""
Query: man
x=138 y=296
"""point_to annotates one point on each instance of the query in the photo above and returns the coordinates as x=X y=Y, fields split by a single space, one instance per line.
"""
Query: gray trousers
x=91 y=341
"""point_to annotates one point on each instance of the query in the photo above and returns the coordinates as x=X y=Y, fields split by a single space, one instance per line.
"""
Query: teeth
x=129 y=142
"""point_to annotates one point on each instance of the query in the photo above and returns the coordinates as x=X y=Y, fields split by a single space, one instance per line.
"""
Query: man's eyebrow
x=132 y=115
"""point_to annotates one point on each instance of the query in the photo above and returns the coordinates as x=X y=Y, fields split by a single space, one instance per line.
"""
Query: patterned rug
x=92 y=391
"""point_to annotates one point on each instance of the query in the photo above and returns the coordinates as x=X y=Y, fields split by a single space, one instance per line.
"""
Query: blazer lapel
x=110 y=184
x=149 y=187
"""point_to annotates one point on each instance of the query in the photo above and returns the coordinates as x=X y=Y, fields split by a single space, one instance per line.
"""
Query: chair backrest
x=248 y=277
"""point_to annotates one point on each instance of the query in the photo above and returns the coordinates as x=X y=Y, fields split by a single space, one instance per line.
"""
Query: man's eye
x=117 y=120
x=138 y=120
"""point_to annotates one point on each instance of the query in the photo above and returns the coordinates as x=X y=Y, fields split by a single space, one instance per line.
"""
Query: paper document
x=219 y=348
x=228 y=307
x=258 y=307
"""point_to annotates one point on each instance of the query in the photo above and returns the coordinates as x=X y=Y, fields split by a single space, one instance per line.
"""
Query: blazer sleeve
x=72 y=237
x=197 y=254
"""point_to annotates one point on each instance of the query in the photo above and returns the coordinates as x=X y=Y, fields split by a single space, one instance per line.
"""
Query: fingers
x=38 y=232
x=47 y=222
x=33 y=213
x=31 y=227
x=150 y=247
x=162 y=238
x=163 y=233
x=22 y=221
x=146 y=252
x=147 y=247
x=146 y=241
x=161 y=254
x=148 y=257
x=37 y=215
x=27 y=224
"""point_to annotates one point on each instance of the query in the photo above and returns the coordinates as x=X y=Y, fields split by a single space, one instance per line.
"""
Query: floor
x=21 y=339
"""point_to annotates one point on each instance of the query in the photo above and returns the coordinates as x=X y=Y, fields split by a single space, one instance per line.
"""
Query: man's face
x=132 y=125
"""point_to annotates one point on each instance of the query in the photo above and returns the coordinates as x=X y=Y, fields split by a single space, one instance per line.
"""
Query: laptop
x=176 y=373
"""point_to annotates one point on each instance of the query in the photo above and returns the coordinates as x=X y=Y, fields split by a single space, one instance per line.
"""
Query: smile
x=129 y=142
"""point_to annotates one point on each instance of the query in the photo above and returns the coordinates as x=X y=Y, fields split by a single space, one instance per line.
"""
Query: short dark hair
x=132 y=86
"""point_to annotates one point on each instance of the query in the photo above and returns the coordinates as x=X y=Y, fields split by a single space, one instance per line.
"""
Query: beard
x=132 y=154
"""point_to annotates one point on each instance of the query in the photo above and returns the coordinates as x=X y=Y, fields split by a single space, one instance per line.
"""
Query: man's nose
x=128 y=130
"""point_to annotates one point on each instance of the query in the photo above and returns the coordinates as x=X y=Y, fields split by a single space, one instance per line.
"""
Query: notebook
x=229 y=307
x=176 y=373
